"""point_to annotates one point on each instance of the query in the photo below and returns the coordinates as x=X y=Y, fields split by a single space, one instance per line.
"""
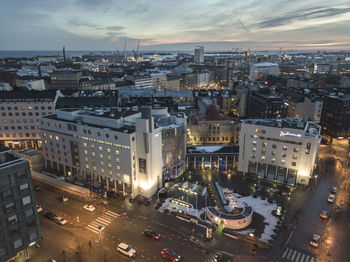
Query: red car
x=170 y=255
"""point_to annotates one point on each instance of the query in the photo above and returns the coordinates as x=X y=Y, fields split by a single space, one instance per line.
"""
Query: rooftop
x=32 y=95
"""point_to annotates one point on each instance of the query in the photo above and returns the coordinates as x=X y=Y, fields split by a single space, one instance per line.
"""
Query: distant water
x=28 y=53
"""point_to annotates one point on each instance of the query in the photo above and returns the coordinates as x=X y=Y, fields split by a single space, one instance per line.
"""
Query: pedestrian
x=90 y=243
x=77 y=219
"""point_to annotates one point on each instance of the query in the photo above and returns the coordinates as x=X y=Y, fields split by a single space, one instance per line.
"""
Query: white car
x=39 y=209
x=331 y=198
x=60 y=220
x=126 y=250
x=90 y=208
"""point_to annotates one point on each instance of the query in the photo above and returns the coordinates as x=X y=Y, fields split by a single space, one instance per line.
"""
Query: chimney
x=146 y=113
x=64 y=53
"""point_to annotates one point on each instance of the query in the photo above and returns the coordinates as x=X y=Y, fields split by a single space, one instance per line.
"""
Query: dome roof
x=212 y=110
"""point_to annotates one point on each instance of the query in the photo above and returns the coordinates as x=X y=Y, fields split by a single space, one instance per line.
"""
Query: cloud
x=297 y=15
x=114 y=28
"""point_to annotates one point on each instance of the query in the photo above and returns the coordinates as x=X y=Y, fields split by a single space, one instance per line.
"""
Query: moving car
x=170 y=255
x=39 y=209
x=126 y=250
x=331 y=198
x=324 y=214
x=50 y=215
x=334 y=190
x=63 y=198
x=151 y=233
x=315 y=240
x=90 y=208
x=60 y=220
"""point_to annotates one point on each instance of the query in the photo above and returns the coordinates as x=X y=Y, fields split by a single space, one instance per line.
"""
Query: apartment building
x=19 y=116
x=19 y=222
x=284 y=150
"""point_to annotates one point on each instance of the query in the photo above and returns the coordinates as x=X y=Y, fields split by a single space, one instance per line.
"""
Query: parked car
x=151 y=233
x=39 y=209
x=90 y=208
x=315 y=240
x=170 y=255
x=324 y=214
x=50 y=215
x=334 y=190
x=63 y=198
x=126 y=250
x=37 y=188
x=60 y=220
x=331 y=198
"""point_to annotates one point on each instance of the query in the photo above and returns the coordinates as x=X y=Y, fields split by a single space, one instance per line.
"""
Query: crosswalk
x=104 y=220
x=290 y=254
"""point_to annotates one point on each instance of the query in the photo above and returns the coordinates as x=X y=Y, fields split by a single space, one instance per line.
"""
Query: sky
x=218 y=25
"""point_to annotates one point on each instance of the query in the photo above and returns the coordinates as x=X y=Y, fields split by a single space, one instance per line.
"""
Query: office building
x=199 y=55
x=283 y=150
x=335 y=117
x=119 y=148
x=19 y=221
x=65 y=78
x=20 y=112
x=262 y=70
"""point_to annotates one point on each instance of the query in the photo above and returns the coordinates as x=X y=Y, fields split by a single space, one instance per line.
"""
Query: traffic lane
x=70 y=210
x=131 y=232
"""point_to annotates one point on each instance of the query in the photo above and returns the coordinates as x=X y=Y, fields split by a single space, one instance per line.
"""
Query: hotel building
x=120 y=149
x=284 y=151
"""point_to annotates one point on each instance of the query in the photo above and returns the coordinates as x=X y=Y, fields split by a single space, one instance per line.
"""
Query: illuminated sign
x=287 y=133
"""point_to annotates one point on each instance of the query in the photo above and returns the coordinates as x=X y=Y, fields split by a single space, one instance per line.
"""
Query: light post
x=100 y=228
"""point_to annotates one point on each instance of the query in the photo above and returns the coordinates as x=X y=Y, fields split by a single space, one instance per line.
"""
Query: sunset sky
x=174 y=24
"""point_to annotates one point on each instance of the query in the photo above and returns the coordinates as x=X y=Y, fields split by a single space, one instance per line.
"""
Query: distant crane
x=124 y=50
x=138 y=47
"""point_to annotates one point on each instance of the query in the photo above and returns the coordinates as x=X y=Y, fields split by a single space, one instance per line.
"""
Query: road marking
x=297 y=258
x=234 y=237
x=226 y=253
x=107 y=218
x=293 y=256
x=302 y=258
x=112 y=214
x=92 y=229
x=312 y=259
x=290 y=253
x=285 y=252
x=99 y=219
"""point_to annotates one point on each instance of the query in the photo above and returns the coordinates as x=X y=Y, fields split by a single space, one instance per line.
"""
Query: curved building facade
x=240 y=219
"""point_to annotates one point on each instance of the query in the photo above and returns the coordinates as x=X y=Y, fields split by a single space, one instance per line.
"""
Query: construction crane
x=124 y=50
x=138 y=47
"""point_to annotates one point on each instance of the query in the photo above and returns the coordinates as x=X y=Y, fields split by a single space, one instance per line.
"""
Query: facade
x=213 y=127
x=263 y=104
x=19 y=119
x=114 y=148
x=65 y=79
x=199 y=55
x=159 y=81
x=261 y=70
x=284 y=151
x=19 y=220
x=97 y=85
x=143 y=81
x=335 y=117
x=173 y=82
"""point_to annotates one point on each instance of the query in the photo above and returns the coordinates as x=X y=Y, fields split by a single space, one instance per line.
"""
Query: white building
x=144 y=81
x=284 y=151
x=159 y=81
x=19 y=118
x=260 y=70
x=199 y=55
x=118 y=149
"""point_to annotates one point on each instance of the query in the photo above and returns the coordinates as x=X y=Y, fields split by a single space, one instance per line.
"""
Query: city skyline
x=217 y=25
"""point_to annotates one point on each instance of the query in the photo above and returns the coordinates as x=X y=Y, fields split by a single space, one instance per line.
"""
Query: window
x=93 y=153
x=283 y=161
x=284 y=147
x=101 y=155
x=116 y=137
x=7 y=193
x=263 y=151
x=254 y=142
x=117 y=160
x=295 y=156
x=17 y=243
x=109 y=157
x=273 y=153
x=12 y=219
x=26 y=200
x=100 y=148
x=33 y=235
x=102 y=170
x=21 y=175
x=23 y=187
x=284 y=154
x=296 y=150
x=118 y=167
x=86 y=159
x=10 y=206
x=117 y=152
x=253 y=156
x=85 y=152
x=273 y=159
x=28 y=212
x=109 y=165
x=274 y=146
x=254 y=149
x=87 y=166
x=92 y=146
x=94 y=168
x=102 y=163
x=262 y=157
x=142 y=165
x=264 y=144
x=107 y=135
x=98 y=134
x=108 y=150
x=294 y=164
x=308 y=148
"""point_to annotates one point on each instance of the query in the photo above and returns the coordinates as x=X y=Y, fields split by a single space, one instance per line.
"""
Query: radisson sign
x=287 y=133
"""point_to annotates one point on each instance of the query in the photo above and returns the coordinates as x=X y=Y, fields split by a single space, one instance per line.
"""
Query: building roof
x=80 y=102
x=27 y=95
x=212 y=113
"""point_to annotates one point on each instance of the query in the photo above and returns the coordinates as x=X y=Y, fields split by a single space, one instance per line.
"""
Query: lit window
x=117 y=152
x=101 y=155
x=273 y=153
x=273 y=159
x=57 y=138
x=87 y=166
x=109 y=165
x=262 y=157
x=257 y=130
x=117 y=160
x=102 y=163
x=296 y=149
x=93 y=154
x=86 y=159
x=118 y=167
x=92 y=146
x=284 y=147
x=85 y=144
x=108 y=150
x=253 y=156
x=254 y=142
x=85 y=152
x=284 y=154
x=283 y=161
x=295 y=156
x=109 y=157
x=110 y=172
x=30 y=108
x=26 y=200
x=100 y=148
x=50 y=136
x=102 y=170
x=254 y=149
x=294 y=164
x=94 y=168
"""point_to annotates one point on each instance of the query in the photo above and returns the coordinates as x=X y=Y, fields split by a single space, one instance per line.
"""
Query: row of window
x=25 y=114
x=18 y=127
x=203 y=138
x=100 y=148
x=28 y=108
x=273 y=159
x=19 y=135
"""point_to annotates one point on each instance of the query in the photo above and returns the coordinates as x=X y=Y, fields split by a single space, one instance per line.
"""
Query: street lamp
x=100 y=228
